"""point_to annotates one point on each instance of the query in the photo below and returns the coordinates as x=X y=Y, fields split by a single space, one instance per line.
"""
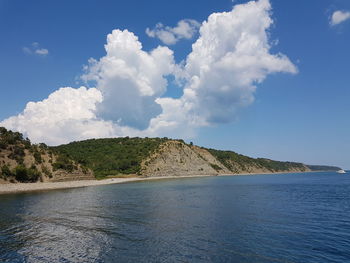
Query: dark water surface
x=265 y=218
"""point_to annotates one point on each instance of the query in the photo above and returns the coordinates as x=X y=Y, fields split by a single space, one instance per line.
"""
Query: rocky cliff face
x=179 y=159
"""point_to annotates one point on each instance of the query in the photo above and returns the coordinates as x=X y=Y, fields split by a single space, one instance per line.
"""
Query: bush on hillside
x=25 y=175
x=6 y=172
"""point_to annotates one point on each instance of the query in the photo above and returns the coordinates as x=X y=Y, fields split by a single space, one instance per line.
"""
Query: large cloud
x=130 y=79
x=65 y=115
x=230 y=57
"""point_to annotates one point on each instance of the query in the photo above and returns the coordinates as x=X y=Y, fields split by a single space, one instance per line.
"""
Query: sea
x=301 y=217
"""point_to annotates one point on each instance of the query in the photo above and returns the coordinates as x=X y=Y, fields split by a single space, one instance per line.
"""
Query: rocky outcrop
x=176 y=158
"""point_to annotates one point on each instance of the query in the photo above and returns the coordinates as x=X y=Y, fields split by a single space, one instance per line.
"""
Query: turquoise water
x=263 y=218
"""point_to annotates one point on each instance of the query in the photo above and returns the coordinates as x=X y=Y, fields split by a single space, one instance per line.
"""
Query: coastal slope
x=167 y=157
x=22 y=161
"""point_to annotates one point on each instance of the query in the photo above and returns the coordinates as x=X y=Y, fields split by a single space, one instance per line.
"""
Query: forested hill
x=112 y=156
x=166 y=157
x=22 y=161
x=323 y=168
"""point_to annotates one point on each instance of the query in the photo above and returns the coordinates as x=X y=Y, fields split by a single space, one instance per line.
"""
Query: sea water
x=261 y=218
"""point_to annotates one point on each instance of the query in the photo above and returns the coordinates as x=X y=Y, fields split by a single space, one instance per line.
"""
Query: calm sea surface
x=263 y=218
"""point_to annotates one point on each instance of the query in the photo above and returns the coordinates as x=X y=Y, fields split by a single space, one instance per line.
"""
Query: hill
x=164 y=157
x=111 y=156
x=22 y=161
x=323 y=168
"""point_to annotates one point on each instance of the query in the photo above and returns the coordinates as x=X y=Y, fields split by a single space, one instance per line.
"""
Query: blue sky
x=297 y=117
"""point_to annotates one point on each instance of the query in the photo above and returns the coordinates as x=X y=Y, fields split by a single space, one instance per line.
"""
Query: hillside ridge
x=165 y=157
x=22 y=161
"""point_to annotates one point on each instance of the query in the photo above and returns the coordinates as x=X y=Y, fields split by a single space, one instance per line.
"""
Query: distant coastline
x=118 y=160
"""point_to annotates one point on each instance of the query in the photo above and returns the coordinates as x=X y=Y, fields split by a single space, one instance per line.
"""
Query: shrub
x=46 y=171
x=6 y=172
x=24 y=175
x=63 y=162
x=37 y=157
x=215 y=167
x=2 y=145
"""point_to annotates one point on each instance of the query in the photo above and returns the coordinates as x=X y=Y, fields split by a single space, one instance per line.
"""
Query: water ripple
x=288 y=218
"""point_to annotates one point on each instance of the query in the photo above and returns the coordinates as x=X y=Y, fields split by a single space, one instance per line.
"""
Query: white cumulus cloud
x=220 y=75
x=185 y=28
x=229 y=58
x=65 y=115
x=130 y=79
x=339 y=17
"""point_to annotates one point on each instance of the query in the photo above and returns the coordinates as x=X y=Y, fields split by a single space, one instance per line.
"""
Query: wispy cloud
x=339 y=17
x=35 y=49
x=42 y=51
x=185 y=29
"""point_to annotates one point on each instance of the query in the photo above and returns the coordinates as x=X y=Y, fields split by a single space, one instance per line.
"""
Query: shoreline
x=14 y=188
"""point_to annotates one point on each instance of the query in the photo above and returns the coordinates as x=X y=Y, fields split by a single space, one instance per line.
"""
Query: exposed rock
x=179 y=159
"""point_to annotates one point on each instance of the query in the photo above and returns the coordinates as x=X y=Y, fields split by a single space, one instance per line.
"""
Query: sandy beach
x=28 y=187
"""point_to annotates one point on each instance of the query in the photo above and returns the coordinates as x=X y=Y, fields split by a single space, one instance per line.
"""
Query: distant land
x=22 y=161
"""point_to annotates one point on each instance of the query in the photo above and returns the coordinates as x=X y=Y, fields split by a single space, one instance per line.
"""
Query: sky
x=264 y=78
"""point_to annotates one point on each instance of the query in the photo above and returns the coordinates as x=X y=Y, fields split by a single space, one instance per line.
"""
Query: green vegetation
x=37 y=157
x=232 y=160
x=46 y=171
x=216 y=167
x=25 y=175
x=10 y=138
x=276 y=166
x=111 y=156
x=14 y=147
x=6 y=172
x=237 y=162
x=21 y=173
x=63 y=162
x=323 y=168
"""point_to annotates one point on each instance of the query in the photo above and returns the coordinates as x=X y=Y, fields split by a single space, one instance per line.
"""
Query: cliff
x=177 y=158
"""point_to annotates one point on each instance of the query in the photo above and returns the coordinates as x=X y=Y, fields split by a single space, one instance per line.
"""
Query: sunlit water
x=264 y=218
